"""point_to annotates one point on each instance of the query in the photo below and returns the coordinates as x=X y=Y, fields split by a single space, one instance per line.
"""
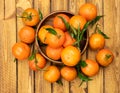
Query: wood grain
x=59 y=5
x=111 y=28
x=7 y=38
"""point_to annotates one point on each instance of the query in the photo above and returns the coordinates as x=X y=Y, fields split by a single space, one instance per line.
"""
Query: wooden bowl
x=48 y=20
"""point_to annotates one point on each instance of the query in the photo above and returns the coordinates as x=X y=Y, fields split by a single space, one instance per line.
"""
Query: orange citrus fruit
x=57 y=40
x=88 y=11
x=27 y=34
x=58 y=23
x=68 y=73
x=96 y=41
x=30 y=17
x=104 y=57
x=37 y=63
x=91 y=69
x=54 y=53
x=52 y=74
x=77 y=21
x=70 y=55
x=21 y=50
x=42 y=33
x=68 y=40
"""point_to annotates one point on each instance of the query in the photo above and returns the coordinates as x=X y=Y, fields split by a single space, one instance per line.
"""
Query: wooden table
x=16 y=77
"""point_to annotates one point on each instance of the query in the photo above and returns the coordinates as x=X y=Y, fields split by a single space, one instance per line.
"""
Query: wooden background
x=18 y=78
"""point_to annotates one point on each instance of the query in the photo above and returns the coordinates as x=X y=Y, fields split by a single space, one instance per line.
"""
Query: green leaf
x=29 y=17
x=73 y=30
x=52 y=31
x=72 y=35
x=83 y=78
x=31 y=57
x=83 y=63
x=78 y=67
x=79 y=29
x=96 y=20
x=107 y=56
x=83 y=31
x=86 y=26
x=40 y=14
x=104 y=35
x=78 y=35
x=59 y=82
x=65 y=22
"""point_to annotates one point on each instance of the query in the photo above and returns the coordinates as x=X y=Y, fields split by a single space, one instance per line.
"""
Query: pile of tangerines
x=62 y=40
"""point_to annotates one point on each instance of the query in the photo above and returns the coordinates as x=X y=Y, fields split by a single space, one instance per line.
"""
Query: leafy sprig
x=94 y=21
x=83 y=63
x=27 y=16
x=40 y=14
x=83 y=77
x=52 y=31
x=97 y=29
x=103 y=34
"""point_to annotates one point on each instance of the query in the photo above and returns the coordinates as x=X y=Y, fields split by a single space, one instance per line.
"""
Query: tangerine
x=68 y=73
x=27 y=34
x=91 y=69
x=68 y=40
x=96 y=41
x=88 y=11
x=52 y=74
x=77 y=21
x=54 y=53
x=30 y=17
x=21 y=50
x=38 y=63
x=104 y=57
x=70 y=55
x=58 y=23
x=57 y=40
x=42 y=33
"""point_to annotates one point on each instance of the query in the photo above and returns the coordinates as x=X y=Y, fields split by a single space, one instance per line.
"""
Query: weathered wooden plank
x=43 y=5
x=59 y=5
x=111 y=28
x=7 y=39
x=25 y=75
x=41 y=85
x=74 y=6
x=2 y=9
x=96 y=85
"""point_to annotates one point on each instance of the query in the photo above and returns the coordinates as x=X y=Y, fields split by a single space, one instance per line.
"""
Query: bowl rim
x=36 y=40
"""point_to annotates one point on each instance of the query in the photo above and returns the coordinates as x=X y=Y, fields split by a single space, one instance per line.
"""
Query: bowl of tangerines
x=59 y=30
x=62 y=37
